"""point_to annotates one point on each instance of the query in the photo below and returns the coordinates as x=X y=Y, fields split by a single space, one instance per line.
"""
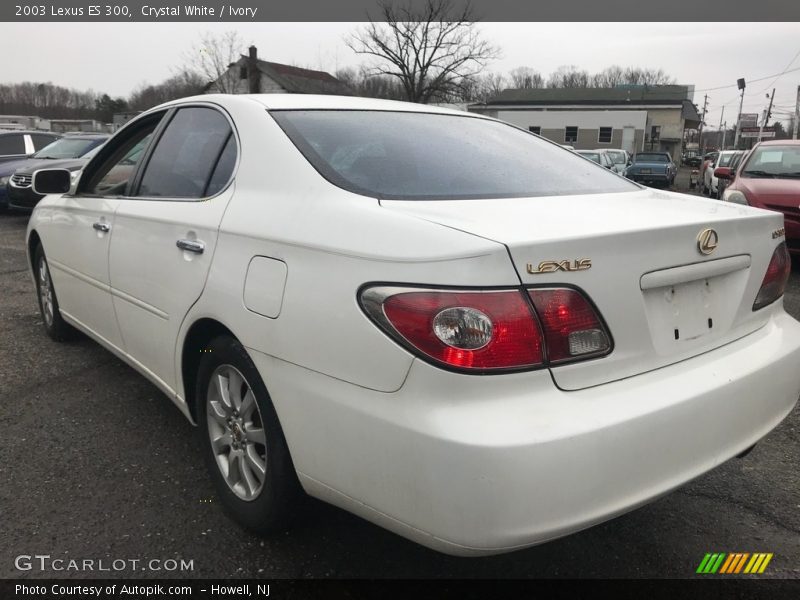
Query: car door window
x=224 y=169
x=12 y=144
x=114 y=176
x=186 y=155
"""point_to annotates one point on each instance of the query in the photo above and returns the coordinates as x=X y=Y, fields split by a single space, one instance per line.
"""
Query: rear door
x=166 y=232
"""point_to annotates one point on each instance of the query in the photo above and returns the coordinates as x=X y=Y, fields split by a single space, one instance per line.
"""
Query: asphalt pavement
x=97 y=464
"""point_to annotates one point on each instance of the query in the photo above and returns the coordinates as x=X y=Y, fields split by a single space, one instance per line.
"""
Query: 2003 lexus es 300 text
x=447 y=325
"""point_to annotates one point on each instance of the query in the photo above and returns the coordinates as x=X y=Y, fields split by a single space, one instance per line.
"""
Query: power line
x=780 y=74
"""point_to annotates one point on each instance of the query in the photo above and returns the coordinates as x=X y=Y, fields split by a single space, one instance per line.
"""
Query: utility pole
x=702 y=120
x=724 y=134
x=796 y=115
x=766 y=116
x=722 y=144
x=741 y=84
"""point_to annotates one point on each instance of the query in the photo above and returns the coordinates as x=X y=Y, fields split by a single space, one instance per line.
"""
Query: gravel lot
x=96 y=463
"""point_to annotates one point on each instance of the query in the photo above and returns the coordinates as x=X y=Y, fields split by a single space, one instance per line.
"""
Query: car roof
x=28 y=131
x=283 y=101
x=780 y=143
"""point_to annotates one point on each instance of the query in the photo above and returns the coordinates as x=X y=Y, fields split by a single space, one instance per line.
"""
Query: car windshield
x=422 y=156
x=773 y=161
x=70 y=147
x=591 y=156
x=725 y=159
x=651 y=158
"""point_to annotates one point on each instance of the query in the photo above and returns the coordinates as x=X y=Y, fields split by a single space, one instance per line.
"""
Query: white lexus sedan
x=452 y=328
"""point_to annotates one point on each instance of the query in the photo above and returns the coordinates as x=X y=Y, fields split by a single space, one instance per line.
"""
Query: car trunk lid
x=661 y=298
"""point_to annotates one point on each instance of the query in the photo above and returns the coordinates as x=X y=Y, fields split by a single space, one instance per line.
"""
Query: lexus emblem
x=707 y=241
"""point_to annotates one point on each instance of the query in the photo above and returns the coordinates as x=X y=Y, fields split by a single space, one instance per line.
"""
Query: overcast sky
x=118 y=57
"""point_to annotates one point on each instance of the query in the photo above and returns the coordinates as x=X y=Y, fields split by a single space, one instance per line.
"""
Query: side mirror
x=723 y=173
x=52 y=181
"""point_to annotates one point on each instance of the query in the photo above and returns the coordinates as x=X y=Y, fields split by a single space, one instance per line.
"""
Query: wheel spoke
x=219 y=411
x=235 y=382
x=255 y=434
x=255 y=463
x=221 y=384
x=221 y=442
x=248 y=404
x=248 y=477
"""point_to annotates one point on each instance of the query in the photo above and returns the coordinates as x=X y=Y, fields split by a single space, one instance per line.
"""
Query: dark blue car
x=71 y=146
x=652 y=168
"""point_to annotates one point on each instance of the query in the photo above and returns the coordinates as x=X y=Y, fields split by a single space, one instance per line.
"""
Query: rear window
x=662 y=158
x=421 y=156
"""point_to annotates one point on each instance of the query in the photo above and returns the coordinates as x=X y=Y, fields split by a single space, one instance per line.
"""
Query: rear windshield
x=660 y=158
x=421 y=156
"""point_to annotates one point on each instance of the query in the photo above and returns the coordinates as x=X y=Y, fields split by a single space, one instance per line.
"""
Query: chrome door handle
x=104 y=227
x=195 y=246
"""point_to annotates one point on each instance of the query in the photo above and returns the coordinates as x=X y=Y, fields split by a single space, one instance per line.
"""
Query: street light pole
x=741 y=84
x=766 y=116
x=796 y=115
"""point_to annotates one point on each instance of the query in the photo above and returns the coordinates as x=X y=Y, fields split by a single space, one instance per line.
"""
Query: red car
x=769 y=177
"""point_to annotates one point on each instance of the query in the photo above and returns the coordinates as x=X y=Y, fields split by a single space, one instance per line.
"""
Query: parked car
x=722 y=184
x=19 y=144
x=71 y=152
x=769 y=177
x=600 y=158
x=652 y=168
x=709 y=185
x=691 y=158
x=14 y=147
x=480 y=342
x=620 y=159
x=68 y=147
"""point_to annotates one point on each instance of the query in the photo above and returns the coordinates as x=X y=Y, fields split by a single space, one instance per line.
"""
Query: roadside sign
x=748 y=120
x=752 y=132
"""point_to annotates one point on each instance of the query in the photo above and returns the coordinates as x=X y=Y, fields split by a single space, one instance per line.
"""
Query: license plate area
x=693 y=313
x=646 y=171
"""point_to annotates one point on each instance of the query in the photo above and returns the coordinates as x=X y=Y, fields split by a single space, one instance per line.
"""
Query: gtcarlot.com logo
x=44 y=562
x=733 y=563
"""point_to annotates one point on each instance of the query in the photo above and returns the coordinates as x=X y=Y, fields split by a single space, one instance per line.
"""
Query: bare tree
x=609 y=77
x=568 y=76
x=212 y=56
x=184 y=83
x=526 y=78
x=431 y=49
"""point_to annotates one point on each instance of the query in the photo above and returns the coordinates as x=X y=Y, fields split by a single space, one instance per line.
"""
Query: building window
x=571 y=134
x=655 y=133
x=604 y=137
x=242 y=72
x=535 y=129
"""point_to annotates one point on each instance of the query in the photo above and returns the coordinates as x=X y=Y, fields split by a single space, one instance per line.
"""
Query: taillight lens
x=776 y=277
x=572 y=327
x=488 y=331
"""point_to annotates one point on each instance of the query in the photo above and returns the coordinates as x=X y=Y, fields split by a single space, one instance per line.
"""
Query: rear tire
x=54 y=325
x=243 y=443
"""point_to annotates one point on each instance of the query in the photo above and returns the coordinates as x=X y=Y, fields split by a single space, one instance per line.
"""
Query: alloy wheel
x=236 y=431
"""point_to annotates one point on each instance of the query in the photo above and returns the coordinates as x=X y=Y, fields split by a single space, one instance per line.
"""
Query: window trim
x=576 y=128
x=168 y=114
x=610 y=137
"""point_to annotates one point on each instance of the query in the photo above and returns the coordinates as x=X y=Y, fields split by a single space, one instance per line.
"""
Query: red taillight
x=489 y=331
x=571 y=326
x=472 y=330
x=776 y=277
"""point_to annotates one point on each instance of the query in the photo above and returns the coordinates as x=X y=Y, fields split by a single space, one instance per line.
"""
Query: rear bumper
x=482 y=465
x=654 y=178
